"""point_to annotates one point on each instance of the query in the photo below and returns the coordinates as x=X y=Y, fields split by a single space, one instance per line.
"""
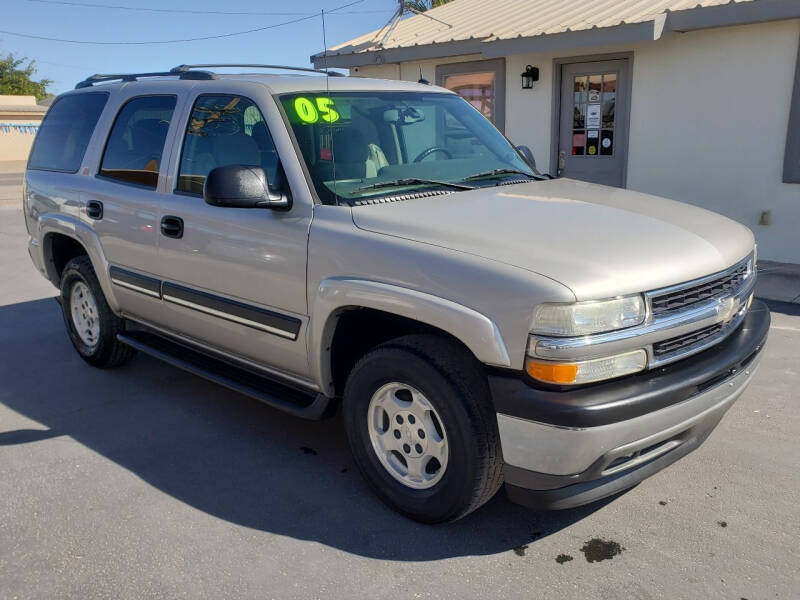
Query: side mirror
x=241 y=186
x=527 y=155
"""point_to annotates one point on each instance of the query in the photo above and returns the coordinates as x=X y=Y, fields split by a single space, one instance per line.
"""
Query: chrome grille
x=682 y=298
x=685 y=341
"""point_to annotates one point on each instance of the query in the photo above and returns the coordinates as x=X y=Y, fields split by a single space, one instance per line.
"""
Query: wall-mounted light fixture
x=530 y=75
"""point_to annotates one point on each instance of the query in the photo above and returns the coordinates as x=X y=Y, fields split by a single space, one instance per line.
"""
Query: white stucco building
x=20 y=118
x=695 y=100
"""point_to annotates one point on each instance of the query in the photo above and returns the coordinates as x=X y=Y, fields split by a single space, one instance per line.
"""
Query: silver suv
x=317 y=242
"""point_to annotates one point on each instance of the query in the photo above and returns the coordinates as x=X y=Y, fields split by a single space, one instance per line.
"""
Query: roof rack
x=104 y=77
x=188 y=72
x=186 y=68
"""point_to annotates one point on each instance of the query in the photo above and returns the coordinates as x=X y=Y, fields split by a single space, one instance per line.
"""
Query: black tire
x=453 y=381
x=108 y=351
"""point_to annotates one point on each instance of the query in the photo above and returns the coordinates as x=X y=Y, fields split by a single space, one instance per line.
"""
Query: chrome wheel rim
x=85 y=317
x=407 y=435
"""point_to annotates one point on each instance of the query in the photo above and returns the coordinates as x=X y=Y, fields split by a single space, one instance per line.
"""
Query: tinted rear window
x=136 y=143
x=65 y=132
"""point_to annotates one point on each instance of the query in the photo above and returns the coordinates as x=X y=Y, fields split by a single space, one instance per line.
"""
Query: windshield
x=361 y=145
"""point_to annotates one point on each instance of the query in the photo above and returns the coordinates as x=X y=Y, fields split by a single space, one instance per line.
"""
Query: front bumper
x=567 y=448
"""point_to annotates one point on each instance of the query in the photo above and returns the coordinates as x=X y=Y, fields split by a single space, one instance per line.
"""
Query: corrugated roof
x=495 y=20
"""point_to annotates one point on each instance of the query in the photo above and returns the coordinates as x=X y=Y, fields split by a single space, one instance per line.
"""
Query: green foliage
x=16 y=78
x=423 y=5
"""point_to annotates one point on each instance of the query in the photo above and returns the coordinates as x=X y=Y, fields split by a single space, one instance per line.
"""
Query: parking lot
x=147 y=482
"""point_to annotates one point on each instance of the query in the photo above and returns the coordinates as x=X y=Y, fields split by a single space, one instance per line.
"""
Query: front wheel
x=422 y=428
x=91 y=325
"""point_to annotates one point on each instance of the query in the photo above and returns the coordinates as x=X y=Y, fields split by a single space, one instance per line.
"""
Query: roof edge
x=692 y=19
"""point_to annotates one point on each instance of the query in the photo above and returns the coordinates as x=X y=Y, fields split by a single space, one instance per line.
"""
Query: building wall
x=16 y=136
x=709 y=117
x=17 y=126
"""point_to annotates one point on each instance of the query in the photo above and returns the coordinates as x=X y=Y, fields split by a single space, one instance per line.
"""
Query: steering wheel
x=433 y=149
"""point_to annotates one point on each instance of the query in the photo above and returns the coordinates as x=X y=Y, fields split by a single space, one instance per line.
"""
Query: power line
x=195 y=39
x=190 y=10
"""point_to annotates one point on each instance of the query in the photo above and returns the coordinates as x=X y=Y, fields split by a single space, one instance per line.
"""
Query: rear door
x=593 y=130
x=121 y=200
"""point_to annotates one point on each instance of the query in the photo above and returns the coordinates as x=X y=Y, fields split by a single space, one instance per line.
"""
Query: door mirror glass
x=241 y=186
x=527 y=155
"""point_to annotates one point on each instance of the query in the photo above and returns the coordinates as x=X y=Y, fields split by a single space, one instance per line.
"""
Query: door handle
x=562 y=161
x=172 y=227
x=94 y=209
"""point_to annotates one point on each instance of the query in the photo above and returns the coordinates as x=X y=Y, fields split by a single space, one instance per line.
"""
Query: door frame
x=555 y=122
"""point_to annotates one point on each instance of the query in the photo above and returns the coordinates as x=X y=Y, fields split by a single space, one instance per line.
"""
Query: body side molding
x=150 y=286
x=232 y=310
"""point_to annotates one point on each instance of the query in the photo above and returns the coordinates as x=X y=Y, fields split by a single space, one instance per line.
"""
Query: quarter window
x=65 y=132
x=224 y=130
x=136 y=145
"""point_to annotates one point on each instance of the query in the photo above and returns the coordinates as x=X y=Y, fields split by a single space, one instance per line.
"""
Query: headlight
x=584 y=318
x=587 y=371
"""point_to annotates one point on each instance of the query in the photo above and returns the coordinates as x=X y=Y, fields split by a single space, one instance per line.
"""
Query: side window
x=136 y=144
x=224 y=130
x=65 y=132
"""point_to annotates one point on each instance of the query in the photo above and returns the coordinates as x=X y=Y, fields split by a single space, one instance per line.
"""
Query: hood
x=599 y=241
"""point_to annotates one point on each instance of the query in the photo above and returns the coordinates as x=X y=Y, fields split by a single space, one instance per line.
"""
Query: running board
x=224 y=373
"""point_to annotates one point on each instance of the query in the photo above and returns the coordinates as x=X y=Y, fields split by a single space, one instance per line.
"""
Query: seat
x=238 y=149
x=147 y=144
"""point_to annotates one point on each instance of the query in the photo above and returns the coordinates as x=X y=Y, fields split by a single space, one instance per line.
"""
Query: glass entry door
x=594 y=121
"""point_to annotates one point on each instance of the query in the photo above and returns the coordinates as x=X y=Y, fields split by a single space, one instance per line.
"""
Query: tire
x=452 y=382
x=97 y=344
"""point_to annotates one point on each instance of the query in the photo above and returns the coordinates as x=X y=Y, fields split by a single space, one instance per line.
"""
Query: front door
x=234 y=278
x=593 y=128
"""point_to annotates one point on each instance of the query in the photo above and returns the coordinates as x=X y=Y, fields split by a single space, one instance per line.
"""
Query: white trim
x=230 y=317
x=135 y=288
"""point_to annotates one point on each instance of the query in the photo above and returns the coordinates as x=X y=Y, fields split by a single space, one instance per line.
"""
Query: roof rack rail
x=187 y=68
x=104 y=77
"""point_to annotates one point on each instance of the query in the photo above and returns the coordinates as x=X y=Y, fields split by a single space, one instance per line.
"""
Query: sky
x=68 y=63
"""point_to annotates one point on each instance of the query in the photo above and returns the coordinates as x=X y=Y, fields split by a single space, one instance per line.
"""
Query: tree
x=422 y=5
x=16 y=78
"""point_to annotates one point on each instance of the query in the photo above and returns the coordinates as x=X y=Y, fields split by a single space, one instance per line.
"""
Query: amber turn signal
x=551 y=372
x=586 y=371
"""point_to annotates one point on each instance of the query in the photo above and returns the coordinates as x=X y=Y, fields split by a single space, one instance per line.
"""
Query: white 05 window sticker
x=606 y=142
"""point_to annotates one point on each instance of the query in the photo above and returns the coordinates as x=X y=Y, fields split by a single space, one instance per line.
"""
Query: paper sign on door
x=593 y=116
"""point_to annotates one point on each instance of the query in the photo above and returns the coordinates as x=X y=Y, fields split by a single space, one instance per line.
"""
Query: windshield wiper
x=499 y=172
x=413 y=181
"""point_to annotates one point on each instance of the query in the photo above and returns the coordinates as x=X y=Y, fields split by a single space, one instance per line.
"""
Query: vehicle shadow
x=228 y=455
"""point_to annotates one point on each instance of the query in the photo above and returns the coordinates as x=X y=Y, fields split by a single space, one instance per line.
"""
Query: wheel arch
x=348 y=305
x=63 y=238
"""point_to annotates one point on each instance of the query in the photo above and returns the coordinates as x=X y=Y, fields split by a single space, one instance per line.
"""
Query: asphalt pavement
x=147 y=482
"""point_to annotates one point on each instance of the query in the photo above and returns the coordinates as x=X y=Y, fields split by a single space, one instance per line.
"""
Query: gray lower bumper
x=564 y=451
x=601 y=440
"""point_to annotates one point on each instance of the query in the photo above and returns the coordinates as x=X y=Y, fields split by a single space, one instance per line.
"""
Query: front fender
x=473 y=329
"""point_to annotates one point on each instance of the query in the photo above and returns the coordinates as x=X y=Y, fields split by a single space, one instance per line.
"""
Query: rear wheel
x=91 y=325
x=422 y=428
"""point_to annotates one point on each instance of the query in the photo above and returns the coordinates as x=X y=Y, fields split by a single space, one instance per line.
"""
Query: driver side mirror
x=527 y=155
x=241 y=186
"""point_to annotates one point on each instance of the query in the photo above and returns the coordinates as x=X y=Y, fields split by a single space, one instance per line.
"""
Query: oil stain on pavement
x=597 y=549
x=520 y=550
x=562 y=558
